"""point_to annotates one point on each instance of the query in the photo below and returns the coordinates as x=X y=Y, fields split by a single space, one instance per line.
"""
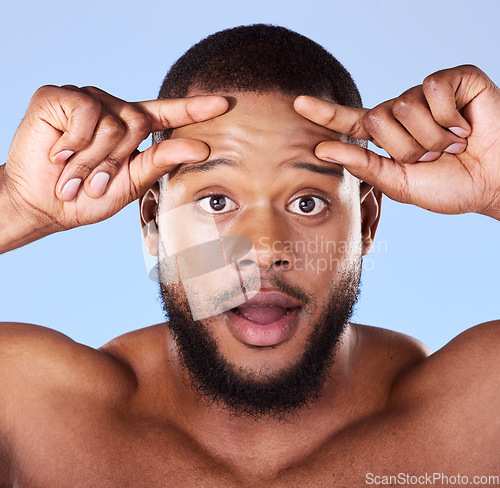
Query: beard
x=260 y=395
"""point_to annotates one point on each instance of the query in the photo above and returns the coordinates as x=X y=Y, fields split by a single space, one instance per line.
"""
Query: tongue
x=263 y=315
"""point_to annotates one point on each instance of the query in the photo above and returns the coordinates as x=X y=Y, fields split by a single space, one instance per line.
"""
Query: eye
x=216 y=204
x=307 y=205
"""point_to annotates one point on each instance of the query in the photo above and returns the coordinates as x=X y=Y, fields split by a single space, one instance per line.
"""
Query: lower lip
x=255 y=334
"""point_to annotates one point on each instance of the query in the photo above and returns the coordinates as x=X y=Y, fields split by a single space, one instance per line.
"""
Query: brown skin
x=124 y=416
x=264 y=136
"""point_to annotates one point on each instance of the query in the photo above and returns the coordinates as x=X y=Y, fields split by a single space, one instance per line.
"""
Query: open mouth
x=262 y=315
x=267 y=319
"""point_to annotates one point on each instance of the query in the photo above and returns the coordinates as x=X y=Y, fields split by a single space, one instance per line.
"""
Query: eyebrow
x=205 y=166
x=331 y=169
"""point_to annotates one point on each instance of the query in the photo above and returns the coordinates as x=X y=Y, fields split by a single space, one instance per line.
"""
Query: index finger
x=177 y=112
x=339 y=118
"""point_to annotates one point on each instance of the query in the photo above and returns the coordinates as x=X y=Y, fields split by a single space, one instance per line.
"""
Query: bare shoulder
x=473 y=356
x=476 y=348
x=469 y=364
x=389 y=349
x=141 y=351
x=41 y=360
x=456 y=389
x=45 y=376
x=377 y=358
x=448 y=399
x=379 y=336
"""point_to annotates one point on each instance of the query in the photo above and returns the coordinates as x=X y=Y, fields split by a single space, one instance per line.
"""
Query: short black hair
x=259 y=58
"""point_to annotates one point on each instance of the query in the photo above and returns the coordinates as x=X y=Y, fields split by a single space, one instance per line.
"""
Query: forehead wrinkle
x=300 y=132
x=313 y=131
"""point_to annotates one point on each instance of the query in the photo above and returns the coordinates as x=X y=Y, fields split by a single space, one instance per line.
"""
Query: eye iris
x=217 y=203
x=307 y=204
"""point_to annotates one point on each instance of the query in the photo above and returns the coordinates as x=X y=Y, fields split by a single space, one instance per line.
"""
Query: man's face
x=263 y=182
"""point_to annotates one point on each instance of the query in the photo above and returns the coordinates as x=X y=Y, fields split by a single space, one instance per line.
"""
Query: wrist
x=18 y=223
x=493 y=210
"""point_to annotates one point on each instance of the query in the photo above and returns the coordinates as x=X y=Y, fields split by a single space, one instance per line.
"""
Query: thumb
x=383 y=173
x=147 y=167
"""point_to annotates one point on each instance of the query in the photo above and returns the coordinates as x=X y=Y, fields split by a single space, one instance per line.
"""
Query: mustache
x=274 y=281
x=292 y=290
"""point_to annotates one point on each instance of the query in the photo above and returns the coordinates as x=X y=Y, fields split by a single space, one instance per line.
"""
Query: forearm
x=18 y=227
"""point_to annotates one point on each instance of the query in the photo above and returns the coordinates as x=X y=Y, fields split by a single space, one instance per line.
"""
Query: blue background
x=431 y=276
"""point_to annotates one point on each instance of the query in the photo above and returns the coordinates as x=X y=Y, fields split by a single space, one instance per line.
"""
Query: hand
x=443 y=137
x=74 y=158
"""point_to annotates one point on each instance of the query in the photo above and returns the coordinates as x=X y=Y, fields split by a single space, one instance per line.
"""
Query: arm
x=49 y=385
x=71 y=134
x=17 y=229
x=74 y=158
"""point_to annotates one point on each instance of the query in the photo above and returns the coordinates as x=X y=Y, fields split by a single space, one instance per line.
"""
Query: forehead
x=260 y=139
x=261 y=121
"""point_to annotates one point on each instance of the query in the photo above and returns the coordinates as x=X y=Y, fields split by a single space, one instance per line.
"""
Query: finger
x=74 y=114
x=97 y=182
x=137 y=125
x=412 y=111
x=140 y=120
x=108 y=134
x=449 y=91
x=390 y=135
x=148 y=167
x=339 y=118
x=405 y=183
x=378 y=171
x=177 y=112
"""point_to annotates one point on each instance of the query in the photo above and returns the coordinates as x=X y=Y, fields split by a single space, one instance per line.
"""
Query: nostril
x=246 y=262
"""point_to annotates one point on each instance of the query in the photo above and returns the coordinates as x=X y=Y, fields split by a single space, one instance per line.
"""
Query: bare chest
x=384 y=450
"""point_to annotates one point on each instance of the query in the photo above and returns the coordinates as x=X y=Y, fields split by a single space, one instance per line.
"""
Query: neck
x=210 y=425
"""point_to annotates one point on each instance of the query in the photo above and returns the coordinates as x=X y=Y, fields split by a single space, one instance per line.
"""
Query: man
x=276 y=389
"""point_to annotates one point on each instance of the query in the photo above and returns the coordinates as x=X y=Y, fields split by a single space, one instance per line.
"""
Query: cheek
x=350 y=248
x=351 y=218
x=173 y=194
x=335 y=248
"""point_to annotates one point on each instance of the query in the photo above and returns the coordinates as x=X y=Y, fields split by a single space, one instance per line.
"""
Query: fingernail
x=63 y=156
x=70 y=189
x=458 y=131
x=99 y=183
x=327 y=159
x=429 y=156
x=455 y=148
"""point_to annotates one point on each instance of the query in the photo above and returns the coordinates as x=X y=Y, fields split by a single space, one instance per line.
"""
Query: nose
x=270 y=234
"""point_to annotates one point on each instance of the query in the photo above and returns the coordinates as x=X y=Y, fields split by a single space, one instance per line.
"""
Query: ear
x=148 y=205
x=371 y=201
